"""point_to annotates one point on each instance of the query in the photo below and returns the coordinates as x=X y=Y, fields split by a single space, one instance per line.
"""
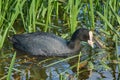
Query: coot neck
x=74 y=44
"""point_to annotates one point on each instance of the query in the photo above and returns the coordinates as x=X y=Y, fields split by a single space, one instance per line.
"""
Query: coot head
x=81 y=34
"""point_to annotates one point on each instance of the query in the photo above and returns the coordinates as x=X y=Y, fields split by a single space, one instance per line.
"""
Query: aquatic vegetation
x=63 y=17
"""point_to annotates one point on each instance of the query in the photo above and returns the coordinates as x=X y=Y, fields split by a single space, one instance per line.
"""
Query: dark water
x=35 y=68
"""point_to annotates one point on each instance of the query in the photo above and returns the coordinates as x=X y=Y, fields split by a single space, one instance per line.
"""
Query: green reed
x=11 y=66
x=78 y=64
x=9 y=13
x=32 y=17
x=49 y=13
x=74 y=7
x=92 y=15
x=109 y=24
x=62 y=60
x=29 y=15
x=40 y=13
x=46 y=15
x=111 y=21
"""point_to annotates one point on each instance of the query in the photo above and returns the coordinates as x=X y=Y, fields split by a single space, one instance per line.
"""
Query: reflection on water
x=30 y=69
x=112 y=74
x=58 y=70
x=105 y=75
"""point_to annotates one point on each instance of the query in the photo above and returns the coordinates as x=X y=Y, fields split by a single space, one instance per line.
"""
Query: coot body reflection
x=47 y=44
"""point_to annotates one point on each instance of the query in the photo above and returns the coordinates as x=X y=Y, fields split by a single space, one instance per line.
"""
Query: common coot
x=47 y=44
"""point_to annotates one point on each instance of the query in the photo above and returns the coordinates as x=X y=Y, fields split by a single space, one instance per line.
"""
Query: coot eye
x=85 y=37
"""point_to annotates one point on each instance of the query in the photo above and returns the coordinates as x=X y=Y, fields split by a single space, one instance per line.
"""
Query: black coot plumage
x=47 y=44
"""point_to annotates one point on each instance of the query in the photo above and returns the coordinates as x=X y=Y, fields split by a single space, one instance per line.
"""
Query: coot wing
x=39 y=43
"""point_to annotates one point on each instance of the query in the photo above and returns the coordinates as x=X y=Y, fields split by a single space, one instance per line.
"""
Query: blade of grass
x=108 y=23
x=106 y=12
x=12 y=20
x=11 y=66
x=31 y=17
x=92 y=14
x=117 y=17
x=78 y=64
x=61 y=61
x=74 y=10
x=49 y=11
